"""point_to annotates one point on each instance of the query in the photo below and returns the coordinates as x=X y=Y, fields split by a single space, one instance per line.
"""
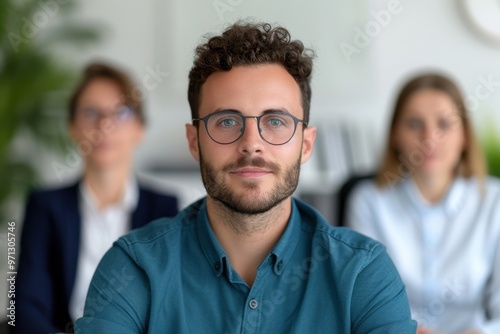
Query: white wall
x=163 y=35
x=434 y=35
x=356 y=89
x=423 y=34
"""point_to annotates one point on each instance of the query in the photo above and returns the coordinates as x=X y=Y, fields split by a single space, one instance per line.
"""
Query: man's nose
x=251 y=141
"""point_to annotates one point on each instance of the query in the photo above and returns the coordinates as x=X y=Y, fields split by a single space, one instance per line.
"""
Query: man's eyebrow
x=276 y=111
x=226 y=110
x=267 y=111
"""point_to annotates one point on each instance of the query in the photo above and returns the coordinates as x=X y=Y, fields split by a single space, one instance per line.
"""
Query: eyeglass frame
x=257 y=118
x=114 y=115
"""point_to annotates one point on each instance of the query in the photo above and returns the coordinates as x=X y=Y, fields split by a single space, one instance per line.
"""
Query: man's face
x=250 y=175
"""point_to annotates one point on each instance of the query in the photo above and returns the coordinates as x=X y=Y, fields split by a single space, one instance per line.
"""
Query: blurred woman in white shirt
x=436 y=211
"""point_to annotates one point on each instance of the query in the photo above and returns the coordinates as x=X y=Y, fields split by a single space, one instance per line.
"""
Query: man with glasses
x=248 y=258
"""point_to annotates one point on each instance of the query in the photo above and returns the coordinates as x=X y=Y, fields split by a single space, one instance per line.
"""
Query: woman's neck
x=108 y=185
x=433 y=188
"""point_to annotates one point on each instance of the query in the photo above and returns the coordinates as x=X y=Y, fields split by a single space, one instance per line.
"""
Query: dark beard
x=257 y=204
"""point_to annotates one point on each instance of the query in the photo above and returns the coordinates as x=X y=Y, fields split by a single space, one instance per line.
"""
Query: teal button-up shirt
x=173 y=276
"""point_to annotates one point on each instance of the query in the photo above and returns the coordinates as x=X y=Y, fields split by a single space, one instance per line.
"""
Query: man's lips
x=250 y=172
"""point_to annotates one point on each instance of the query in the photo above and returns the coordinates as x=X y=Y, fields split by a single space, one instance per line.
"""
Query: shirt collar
x=284 y=249
x=451 y=203
x=209 y=244
x=217 y=257
x=456 y=195
x=128 y=201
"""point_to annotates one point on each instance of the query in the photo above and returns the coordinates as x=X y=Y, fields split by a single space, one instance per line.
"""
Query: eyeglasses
x=226 y=127
x=120 y=115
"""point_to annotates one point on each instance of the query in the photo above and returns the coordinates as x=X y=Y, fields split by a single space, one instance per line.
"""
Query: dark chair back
x=344 y=192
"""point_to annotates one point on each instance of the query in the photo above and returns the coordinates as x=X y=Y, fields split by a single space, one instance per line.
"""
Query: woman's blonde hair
x=394 y=167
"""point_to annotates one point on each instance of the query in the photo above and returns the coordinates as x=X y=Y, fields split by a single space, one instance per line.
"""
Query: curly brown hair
x=244 y=44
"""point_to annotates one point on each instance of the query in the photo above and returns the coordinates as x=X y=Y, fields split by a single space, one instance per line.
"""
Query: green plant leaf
x=34 y=87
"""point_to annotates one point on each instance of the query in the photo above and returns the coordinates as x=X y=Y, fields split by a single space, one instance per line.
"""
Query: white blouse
x=99 y=229
x=448 y=254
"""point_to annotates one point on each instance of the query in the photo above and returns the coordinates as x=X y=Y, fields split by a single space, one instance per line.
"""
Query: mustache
x=252 y=162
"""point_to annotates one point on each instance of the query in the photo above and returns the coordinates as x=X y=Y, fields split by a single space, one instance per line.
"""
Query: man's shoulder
x=338 y=244
x=165 y=227
x=338 y=238
x=344 y=241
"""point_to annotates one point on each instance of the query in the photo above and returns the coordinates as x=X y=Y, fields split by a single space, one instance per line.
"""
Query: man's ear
x=192 y=137
x=308 y=143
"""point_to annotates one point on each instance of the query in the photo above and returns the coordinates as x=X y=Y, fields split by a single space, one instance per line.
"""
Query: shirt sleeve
x=119 y=296
x=492 y=326
x=379 y=301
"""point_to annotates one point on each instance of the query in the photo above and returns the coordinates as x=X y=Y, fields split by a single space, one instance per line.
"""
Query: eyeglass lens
x=120 y=114
x=227 y=127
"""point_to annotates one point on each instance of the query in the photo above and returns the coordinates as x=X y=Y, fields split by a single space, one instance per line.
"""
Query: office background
x=365 y=51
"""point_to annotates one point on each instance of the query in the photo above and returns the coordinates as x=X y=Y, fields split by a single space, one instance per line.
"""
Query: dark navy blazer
x=49 y=253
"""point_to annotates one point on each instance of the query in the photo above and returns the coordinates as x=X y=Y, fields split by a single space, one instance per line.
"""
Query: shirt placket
x=431 y=249
x=254 y=314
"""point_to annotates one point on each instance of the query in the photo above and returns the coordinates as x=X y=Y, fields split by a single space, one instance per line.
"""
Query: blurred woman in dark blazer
x=66 y=231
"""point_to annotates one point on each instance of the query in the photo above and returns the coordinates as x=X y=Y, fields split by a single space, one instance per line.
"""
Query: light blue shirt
x=173 y=276
x=448 y=254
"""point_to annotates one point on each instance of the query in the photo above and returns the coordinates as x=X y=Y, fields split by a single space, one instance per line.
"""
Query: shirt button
x=217 y=265
x=280 y=265
x=253 y=304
